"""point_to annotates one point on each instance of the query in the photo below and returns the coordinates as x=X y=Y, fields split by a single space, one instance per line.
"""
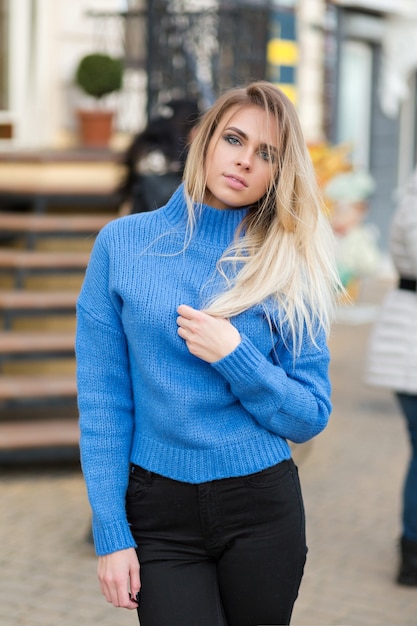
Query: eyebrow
x=240 y=132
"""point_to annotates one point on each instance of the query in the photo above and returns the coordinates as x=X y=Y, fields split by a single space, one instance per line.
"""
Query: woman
x=201 y=348
x=392 y=362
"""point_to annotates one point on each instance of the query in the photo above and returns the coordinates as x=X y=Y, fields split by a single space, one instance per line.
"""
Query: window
x=355 y=89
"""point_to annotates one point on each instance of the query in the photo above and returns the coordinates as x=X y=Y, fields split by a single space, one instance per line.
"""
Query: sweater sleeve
x=292 y=398
x=105 y=405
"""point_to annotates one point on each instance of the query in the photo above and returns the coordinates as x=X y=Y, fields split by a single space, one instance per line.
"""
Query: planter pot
x=95 y=127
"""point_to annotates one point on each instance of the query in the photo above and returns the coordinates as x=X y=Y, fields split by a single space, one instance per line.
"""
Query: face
x=240 y=158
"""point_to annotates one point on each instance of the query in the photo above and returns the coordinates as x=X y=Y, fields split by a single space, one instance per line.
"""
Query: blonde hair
x=284 y=248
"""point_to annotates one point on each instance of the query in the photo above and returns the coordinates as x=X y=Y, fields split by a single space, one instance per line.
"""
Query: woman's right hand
x=118 y=574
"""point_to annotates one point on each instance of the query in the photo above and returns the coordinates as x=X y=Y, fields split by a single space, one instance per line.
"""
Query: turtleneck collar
x=215 y=226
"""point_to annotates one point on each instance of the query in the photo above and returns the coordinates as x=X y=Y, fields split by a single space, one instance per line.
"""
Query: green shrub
x=99 y=74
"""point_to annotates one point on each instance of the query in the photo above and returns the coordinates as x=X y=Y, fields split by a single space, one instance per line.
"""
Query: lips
x=236 y=182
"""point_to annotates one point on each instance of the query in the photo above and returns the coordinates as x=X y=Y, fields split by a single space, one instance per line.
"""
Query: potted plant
x=97 y=75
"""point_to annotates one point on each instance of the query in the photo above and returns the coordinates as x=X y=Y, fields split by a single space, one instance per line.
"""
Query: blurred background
x=350 y=68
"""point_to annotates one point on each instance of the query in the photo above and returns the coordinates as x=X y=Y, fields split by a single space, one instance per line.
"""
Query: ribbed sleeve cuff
x=245 y=365
x=112 y=537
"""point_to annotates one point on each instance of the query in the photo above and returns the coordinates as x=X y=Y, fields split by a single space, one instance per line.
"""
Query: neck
x=217 y=226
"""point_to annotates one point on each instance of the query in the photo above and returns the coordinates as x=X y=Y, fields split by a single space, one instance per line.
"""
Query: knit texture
x=143 y=398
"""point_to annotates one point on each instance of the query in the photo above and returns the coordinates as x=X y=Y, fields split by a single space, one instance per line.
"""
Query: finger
x=182 y=321
x=187 y=311
x=115 y=594
x=126 y=600
x=135 y=585
x=120 y=597
x=112 y=596
x=105 y=588
x=135 y=597
x=182 y=333
x=106 y=592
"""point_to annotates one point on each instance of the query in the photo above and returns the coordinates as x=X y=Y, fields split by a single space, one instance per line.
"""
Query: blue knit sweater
x=143 y=398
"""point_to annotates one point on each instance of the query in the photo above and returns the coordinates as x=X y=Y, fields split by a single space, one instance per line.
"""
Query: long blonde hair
x=284 y=249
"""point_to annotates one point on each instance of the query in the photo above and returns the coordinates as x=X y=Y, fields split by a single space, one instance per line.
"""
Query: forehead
x=253 y=121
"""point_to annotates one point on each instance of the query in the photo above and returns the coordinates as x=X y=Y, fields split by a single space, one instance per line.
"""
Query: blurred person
x=156 y=157
x=357 y=252
x=201 y=353
x=392 y=361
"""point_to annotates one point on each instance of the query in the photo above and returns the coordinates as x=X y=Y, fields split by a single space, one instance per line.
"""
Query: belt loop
x=148 y=478
x=140 y=471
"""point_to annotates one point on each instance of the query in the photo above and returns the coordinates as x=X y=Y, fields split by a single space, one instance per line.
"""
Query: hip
x=261 y=499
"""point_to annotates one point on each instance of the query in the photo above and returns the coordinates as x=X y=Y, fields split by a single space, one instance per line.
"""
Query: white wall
x=310 y=72
x=48 y=37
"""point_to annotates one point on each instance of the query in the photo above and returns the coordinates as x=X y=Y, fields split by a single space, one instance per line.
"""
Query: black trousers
x=223 y=553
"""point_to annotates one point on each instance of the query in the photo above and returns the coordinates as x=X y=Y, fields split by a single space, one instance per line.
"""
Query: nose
x=244 y=160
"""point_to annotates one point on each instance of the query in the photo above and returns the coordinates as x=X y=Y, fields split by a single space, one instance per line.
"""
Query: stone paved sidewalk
x=351 y=477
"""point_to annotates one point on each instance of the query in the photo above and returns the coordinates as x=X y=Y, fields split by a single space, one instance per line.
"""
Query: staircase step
x=12 y=342
x=35 y=387
x=31 y=222
x=20 y=300
x=39 y=433
x=16 y=259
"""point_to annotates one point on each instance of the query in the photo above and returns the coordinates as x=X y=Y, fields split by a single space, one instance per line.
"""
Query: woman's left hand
x=207 y=337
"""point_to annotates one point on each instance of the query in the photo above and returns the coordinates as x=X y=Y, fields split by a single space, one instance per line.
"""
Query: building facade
x=42 y=41
x=349 y=66
x=374 y=107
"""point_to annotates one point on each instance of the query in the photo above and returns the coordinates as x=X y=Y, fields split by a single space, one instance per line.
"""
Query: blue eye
x=266 y=155
x=232 y=139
